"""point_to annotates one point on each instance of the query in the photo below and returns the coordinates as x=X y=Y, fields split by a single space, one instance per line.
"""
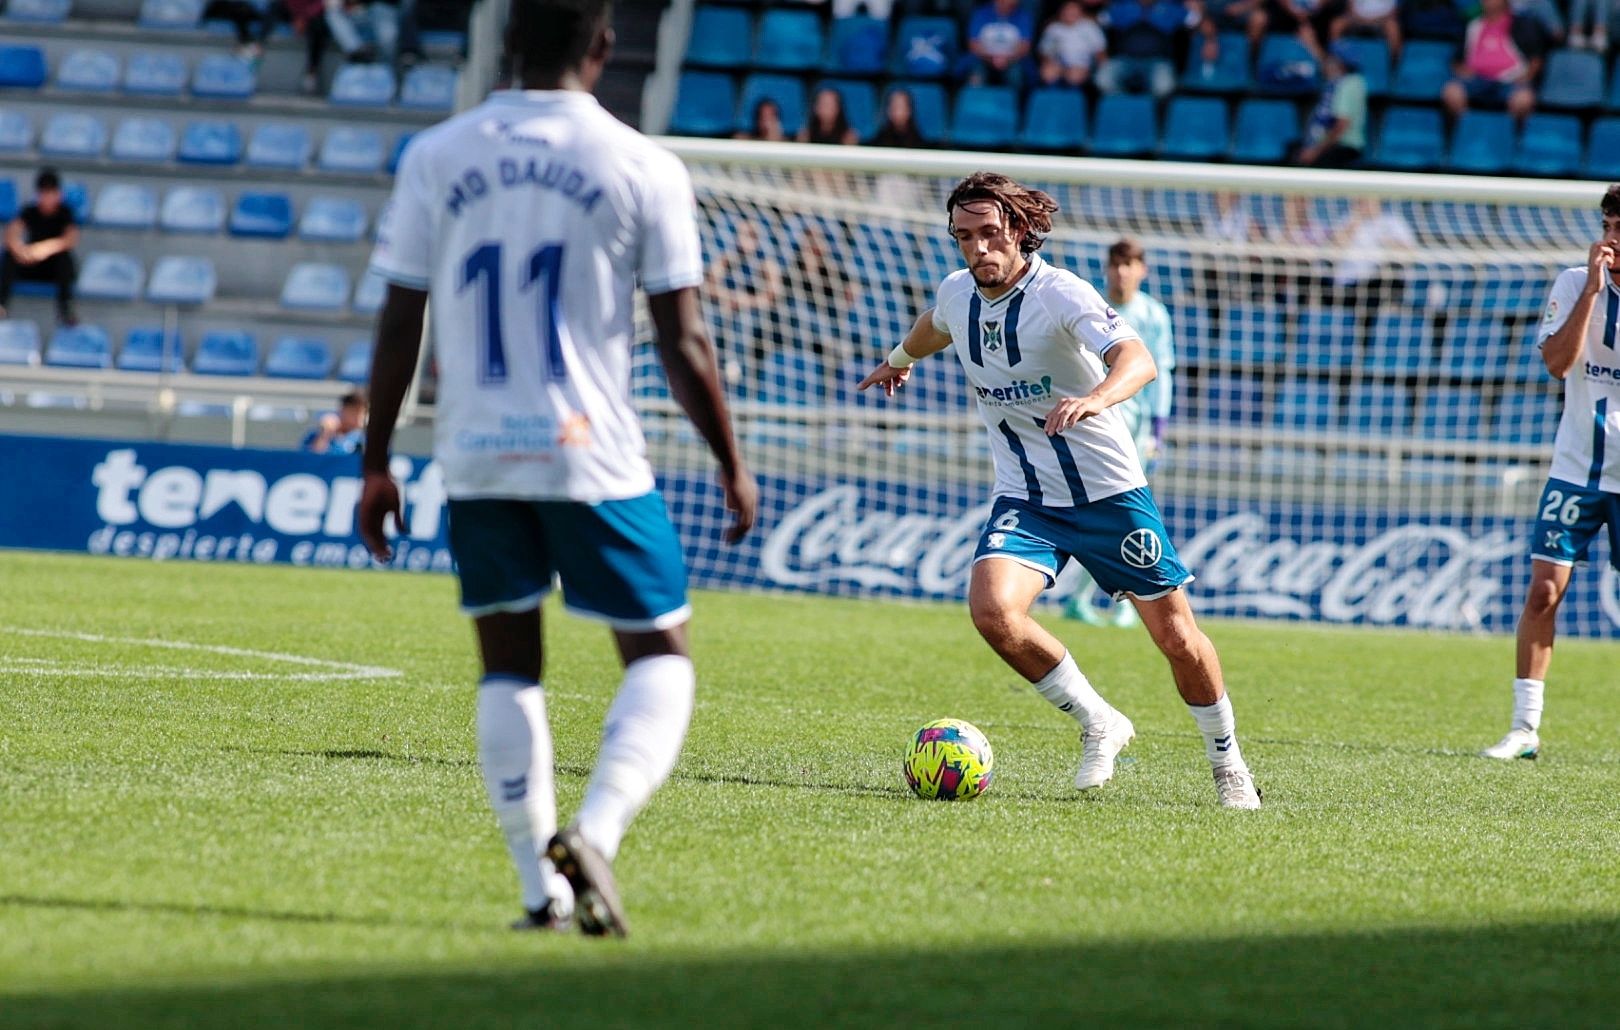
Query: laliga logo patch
x=992 y=336
x=1112 y=314
x=1141 y=548
x=1552 y=311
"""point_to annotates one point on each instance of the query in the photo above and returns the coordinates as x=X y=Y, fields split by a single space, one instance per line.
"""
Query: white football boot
x=1099 y=745
x=1236 y=789
x=1517 y=744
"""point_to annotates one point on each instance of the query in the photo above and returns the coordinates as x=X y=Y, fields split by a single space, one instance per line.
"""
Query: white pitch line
x=336 y=670
x=36 y=667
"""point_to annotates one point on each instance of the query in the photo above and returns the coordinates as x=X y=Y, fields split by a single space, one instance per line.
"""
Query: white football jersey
x=530 y=219
x=1036 y=344
x=1586 y=451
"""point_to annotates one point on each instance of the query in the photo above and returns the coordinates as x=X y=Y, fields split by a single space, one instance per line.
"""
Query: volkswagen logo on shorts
x=1141 y=548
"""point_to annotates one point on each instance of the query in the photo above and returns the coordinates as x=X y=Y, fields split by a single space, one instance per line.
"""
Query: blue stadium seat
x=38 y=11
x=1308 y=404
x=429 y=87
x=76 y=196
x=1252 y=334
x=1474 y=348
x=1529 y=417
x=22 y=67
x=223 y=77
x=705 y=105
x=1054 y=120
x=278 y=145
x=1451 y=413
x=925 y=47
x=1525 y=364
x=1126 y=124
x=298 y=357
x=1228 y=73
x=363 y=85
x=155 y=73
x=170 y=14
x=73 y=135
x=860 y=104
x=349 y=149
x=722 y=37
x=226 y=353
x=1285 y=68
x=788 y=40
x=193 y=209
x=1372 y=56
x=858 y=45
x=1265 y=131
x=80 y=346
x=19 y=342
x=1236 y=400
x=1380 y=408
x=109 y=276
x=1602 y=150
x=369 y=293
x=1550 y=144
x=1423 y=71
x=178 y=279
x=143 y=140
x=1402 y=342
x=123 y=205
x=1572 y=80
x=1481 y=142
x=356 y=364
x=211 y=143
x=928 y=107
x=791 y=378
x=786 y=90
x=8 y=200
x=147 y=350
x=983 y=118
x=1195 y=129
x=315 y=286
x=1410 y=139
x=1327 y=338
x=16 y=132
x=88 y=71
x=264 y=215
x=333 y=220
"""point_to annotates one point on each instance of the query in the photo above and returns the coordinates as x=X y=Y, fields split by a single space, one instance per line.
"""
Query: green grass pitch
x=194 y=837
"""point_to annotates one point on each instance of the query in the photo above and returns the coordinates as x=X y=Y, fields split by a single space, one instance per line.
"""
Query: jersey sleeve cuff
x=406 y=279
x=671 y=283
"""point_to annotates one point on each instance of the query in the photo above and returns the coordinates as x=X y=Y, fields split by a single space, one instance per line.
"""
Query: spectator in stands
x=1286 y=17
x=1215 y=17
x=961 y=10
x=1368 y=18
x=1072 y=47
x=1143 y=39
x=308 y=19
x=1501 y=59
x=339 y=432
x=1599 y=38
x=899 y=128
x=1370 y=234
x=1231 y=222
x=1544 y=20
x=820 y=297
x=251 y=21
x=1336 y=134
x=1300 y=228
x=39 y=246
x=745 y=283
x=1430 y=19
x=827 y=122
x=1000 y=38
x=767 y=123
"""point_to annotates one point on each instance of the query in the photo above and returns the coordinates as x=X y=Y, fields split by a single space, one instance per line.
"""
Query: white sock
x=641 y=738
x=1069 y=690
x=514 y=747
x=1219 y=728
x=1527 y=695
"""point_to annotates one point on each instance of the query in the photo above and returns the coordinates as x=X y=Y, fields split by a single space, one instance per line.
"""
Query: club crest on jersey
x=992 y=336
x=1141 y=548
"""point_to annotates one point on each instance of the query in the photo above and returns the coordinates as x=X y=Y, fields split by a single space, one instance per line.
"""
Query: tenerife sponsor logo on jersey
x=1019 y=391
x=1602 y=373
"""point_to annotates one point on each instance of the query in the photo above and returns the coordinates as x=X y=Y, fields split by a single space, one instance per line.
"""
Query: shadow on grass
x=1565 y=975
x=176 y=908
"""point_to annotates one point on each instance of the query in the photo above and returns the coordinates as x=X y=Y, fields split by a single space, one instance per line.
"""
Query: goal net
x=1360 y=425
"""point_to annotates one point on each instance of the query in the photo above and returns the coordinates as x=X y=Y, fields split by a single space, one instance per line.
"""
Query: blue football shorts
x=1121 y=541
x=1568 y=519
x=618 y=561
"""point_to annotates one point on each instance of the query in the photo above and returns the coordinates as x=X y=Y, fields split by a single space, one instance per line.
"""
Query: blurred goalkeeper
x=1051 y=364
x=1582 y=496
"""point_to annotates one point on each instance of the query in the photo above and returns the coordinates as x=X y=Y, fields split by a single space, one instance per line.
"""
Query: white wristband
x=900 y=358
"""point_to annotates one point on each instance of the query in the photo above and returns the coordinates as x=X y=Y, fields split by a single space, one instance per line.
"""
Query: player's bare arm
x=1130 y=367
x=1563 y=348
x=923 y=339
x=694 y=381
x=393 y=363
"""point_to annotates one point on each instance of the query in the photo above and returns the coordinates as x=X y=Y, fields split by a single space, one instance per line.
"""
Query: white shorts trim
x=1051 y=580
x=668 y=620
x=522 y=604
x=1564 y=563
x=1166 y=592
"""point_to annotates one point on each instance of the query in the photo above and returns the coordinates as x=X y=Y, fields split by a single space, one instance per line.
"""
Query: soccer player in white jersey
x=1050 y=362
x=529 y=220
x=1579 y=345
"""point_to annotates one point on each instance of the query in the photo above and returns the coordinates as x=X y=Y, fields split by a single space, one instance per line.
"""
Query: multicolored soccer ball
x=948 y=760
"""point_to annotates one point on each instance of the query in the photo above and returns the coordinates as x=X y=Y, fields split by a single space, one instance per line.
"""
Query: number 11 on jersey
x=542 y=273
